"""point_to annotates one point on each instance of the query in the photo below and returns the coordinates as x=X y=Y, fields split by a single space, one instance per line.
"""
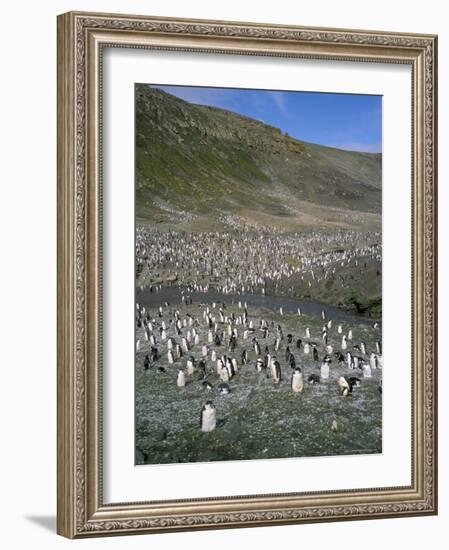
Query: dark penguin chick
x=201 y=370
x=339 y=356
x=206 y=385
x=313 y=379
x=224 y=388
x=146 y=363
x=154 y=353
x=353 y=381
x=292 y=361
x=298 y=343
x=244 y=357
x=232 y=343
x=287 y=353
x=315 y=354
x=217 y=340
x=289 y=338
x=161 y=369
x=208 y=417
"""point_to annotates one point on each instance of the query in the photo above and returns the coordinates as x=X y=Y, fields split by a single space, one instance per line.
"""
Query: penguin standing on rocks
x=344 y=386
x=260 y=364
x=275 y=371
x=181 y=380
x=325 y=368
x=208 y=417
x=297 y=380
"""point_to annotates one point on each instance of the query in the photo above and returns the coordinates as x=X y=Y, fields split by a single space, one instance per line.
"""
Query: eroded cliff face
x=207 y=162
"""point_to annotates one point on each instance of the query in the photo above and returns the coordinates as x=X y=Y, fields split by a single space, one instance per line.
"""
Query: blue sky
x=346 y=121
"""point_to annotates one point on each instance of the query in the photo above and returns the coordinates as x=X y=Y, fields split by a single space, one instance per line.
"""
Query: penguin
x=345 y=388
x=244 y=357
x=378 y=348
x=292 y=361
x=138 y=345
x=256 y=346
x=275 y=371
x=190 y=365
x=298 y=343
x=306 y=348
x=315 y=353
x=229 y=367
x=234 y=365
x=179 y=351
x=277 y=344
x=297 y=380
x=220 y=365
x=325 y=369
x=146 y=362
x=339 y=329
x=313 y=379
x=363 y=348
x=185 y=345
x=344 y=343
x=366 y=370
x=154 y=353
x=353 y=381
x=170 y=357
x=224 y=374
x=372 y=361
x=224 y=388
x=307 y=332
x=202 y=369
x=206 y=385
x=260 y=364
x=349 y=334
x=208 y=417
x=181 y=380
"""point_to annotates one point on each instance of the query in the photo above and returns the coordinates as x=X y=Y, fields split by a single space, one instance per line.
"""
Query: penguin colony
x=208 y=348
x=243 y=261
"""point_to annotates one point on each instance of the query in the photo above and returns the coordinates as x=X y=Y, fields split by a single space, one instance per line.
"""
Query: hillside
x=200 y=166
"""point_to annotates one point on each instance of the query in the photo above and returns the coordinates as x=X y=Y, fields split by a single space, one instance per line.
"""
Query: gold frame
x=81 y=37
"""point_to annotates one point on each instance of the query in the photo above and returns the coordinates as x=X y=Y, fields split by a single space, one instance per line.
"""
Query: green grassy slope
x=205 y=162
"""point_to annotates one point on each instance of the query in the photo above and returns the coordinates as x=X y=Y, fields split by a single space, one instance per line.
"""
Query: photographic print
x=258 y=274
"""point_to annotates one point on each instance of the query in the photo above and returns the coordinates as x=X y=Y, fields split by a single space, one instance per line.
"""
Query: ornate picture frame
x=82 y=38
